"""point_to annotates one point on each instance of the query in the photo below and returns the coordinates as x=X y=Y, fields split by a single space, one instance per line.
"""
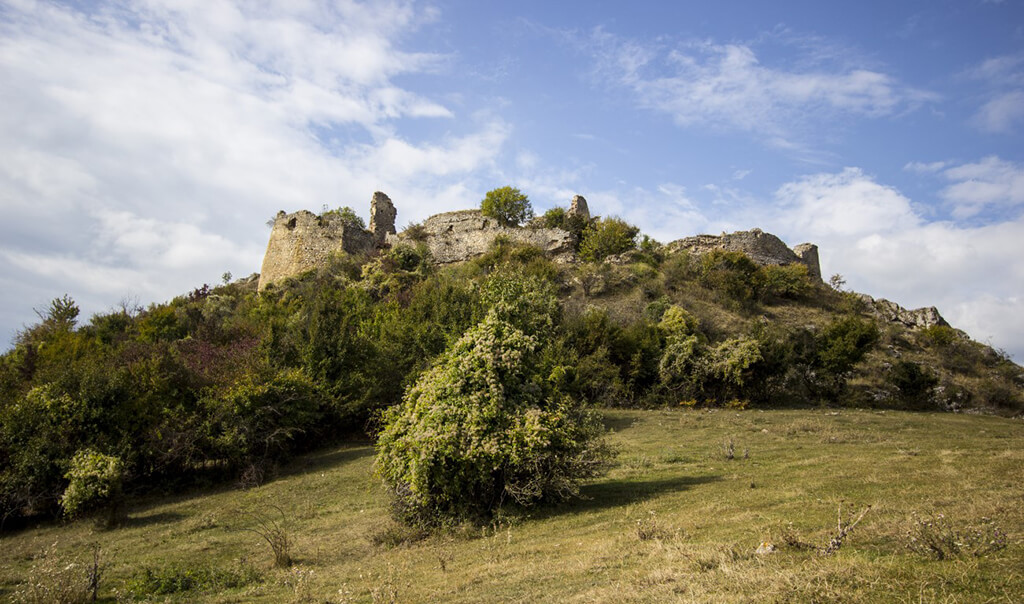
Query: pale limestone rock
x=894 y=313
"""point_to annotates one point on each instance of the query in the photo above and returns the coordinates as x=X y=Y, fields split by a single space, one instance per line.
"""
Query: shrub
x=606 y=237
x=176 y=579
x=481 y=428
x=936 y=537
x=940 y=336
x=677 y=321
x=94 y=480
x=58 y=578
x=553 y=219
x=845 y=342
x=507 y=205
x=346 y=215
x=678 y=269
x=396 y=270
x=913 y=381
x=732 y=273
x=788 y=281
x=259 y=418
x=733 y=359
x=415 y=231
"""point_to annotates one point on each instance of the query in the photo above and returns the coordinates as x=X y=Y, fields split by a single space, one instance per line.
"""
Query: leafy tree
x=845 y=342
x=606 y=237
x=62 y=313
x=346 y=215
x=508 y=205
x=913 y=381
x=94 y=480
x=732 y=273
x=553 y=218
x=483 y=427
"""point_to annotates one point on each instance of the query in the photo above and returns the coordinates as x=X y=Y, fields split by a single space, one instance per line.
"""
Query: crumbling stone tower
x=382 y=217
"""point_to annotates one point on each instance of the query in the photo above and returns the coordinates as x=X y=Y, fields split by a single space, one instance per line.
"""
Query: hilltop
x=225 y=382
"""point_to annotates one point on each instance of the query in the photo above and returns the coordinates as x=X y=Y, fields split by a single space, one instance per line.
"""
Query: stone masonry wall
x=460 y=236
x=763 y=248
x=303 y=241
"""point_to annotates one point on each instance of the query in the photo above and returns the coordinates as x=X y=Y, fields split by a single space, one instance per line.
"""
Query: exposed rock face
x=894 y=313
x=578 y=207
x=303 y=241
x=763 y=248
x=464 y=235
x=382 y=217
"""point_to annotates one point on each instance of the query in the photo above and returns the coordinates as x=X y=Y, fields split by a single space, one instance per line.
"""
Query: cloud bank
x=146 y=143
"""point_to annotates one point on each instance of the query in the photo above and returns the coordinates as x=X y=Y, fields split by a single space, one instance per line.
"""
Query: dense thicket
x=223 y=382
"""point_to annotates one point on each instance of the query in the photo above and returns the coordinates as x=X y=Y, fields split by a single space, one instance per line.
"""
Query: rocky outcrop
x=894 y=313
x=303 y=241
x=464 y=235
x=382 y=217
x=763 y=248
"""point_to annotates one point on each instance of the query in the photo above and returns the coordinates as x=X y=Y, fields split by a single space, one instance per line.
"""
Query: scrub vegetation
x=475 y=394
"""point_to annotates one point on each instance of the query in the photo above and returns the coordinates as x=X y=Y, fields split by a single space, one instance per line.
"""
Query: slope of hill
x=680 y=517
x=225 y=382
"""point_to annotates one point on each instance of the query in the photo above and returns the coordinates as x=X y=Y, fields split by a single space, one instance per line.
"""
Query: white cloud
x=925 y=168
x=1003 y=109
x=991 y=182
x=144 y=144
x=1002 y=113
x=728 y=86
x=875 y=237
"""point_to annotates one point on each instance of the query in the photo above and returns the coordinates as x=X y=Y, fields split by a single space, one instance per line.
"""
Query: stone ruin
x=763 y=248
x=303 y=241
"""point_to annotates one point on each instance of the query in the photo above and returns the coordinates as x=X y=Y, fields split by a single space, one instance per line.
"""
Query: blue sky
x=144 y=145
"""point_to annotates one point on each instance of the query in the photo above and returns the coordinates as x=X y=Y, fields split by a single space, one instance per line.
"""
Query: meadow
x=680 y=516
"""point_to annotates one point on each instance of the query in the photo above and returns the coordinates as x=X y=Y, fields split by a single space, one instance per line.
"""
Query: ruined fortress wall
x=763 y=248
x=303 y=241
x=460 y=236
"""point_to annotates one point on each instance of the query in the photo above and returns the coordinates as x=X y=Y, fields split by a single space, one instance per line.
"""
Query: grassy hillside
x=691 y=496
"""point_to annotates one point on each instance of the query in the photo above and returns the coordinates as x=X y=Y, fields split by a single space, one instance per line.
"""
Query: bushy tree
x=346 y=215
x=487 y=424
x=732 y=273
x=94 y=480
x=480 y=429
x=508 y=205
x=606 y=237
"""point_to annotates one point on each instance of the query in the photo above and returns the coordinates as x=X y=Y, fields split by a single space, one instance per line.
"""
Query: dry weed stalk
x=273 y=533
x=836 y=541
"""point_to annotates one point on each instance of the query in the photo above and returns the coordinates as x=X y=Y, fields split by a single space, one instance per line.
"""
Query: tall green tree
x=508 y=205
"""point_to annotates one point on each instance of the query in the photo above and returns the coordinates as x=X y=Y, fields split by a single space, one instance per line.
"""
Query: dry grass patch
x=674 y=521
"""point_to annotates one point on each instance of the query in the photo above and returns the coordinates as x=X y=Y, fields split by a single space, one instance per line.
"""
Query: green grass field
x=677 y=519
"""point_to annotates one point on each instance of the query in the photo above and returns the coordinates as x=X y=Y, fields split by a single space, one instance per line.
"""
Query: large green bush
x=732 y=273
x=607 y=237
x=483 y=428
x=94 y=480
x=507 y=205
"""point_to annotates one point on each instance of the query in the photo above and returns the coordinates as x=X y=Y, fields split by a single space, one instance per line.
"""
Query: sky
x=145 y=144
